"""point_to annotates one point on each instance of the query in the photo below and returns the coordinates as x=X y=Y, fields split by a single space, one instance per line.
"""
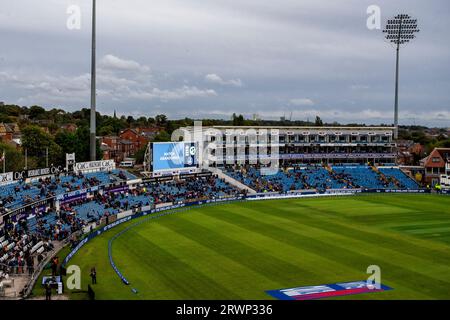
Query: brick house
x=434 y=165
x=128 y=143
x=70 y=127
x=134 y=137
x=116 y=148
x=9 y=131
x=409 y=152
x=149 y=133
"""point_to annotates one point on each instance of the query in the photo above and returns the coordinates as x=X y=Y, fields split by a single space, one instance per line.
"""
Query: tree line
x=45 y=140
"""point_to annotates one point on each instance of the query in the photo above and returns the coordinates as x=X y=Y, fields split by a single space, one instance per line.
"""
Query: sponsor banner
x=124 y=214
x=134 y=181
x=33 y=207
x=396 y=190
x=116 y=189
x=24 y=214
x=343 y=191
x=163 y=205
x=204 y=174
x=311 y=156
x=312 y=194
x=101 y=165
x=337 y=156
x=70 y=156
x=164 y=179
x=327 y=290
x=36 y=173
x=187 y=175
x=198 y=175
x=72 y=197
x=71 y=194
x=19 y=216
x=158 y=179
x=6 y=178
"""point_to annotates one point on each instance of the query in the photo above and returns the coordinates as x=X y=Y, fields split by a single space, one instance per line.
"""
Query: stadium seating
x=323 y=178
x=19 y=194
x=32 y=236
x=404 y=182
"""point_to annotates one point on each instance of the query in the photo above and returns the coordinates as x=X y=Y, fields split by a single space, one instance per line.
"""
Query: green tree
x=13 y=157
x=318 y=122
x=238 y=120
x=142 y=122
x=130 y=121
x=82 y=152
x=106 y=130
x=36 y=112
x=161 y=120
x=37 y=142
x=163 y=136
x=68 y=141
x=111 y=126
x=139 y=155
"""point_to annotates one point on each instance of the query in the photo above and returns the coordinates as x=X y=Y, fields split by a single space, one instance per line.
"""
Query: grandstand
x=240 y=145
x=19 y=193
x=78 y=202
x=323 y=178
x=39 y=215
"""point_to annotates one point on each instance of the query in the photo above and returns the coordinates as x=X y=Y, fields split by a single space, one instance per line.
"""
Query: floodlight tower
x=399 y=30
x=93 y=142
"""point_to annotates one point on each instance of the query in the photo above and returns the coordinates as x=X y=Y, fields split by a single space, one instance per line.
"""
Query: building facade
x=9 y=131
x=127 y=143
x=435 y=165
x=115 y=148
x=228 y=145
x=445 y=178
x=136 y=139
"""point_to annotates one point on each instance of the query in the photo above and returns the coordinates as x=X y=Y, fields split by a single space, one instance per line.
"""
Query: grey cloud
x=216 y=79
x=156 y=55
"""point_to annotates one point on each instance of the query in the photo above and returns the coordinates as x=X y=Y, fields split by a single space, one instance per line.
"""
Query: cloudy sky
x=210 y=58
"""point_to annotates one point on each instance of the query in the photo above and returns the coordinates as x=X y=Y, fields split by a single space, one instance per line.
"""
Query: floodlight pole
x=93 y=142
x=399 y=30
x=396 y=83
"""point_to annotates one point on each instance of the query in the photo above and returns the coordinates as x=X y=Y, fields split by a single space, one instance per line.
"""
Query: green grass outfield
x=240 y=250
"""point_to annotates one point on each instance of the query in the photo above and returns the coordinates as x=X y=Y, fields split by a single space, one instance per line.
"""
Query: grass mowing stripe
x=141 y=221
x=439 y=203
x=340 y=255
x=258 y=260
x=334 y=230
x=274 y=225
x=205 y=259
x=233 y=224
x=256 y=237
x=169 y=269
x=323 y=220
x=350 y=257
x=424 y=225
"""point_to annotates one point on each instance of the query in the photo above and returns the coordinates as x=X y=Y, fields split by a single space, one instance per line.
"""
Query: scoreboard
x=169 y=156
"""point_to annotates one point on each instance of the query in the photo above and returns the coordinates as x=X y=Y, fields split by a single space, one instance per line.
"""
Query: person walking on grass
x=48 y=292
x=94 y=275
